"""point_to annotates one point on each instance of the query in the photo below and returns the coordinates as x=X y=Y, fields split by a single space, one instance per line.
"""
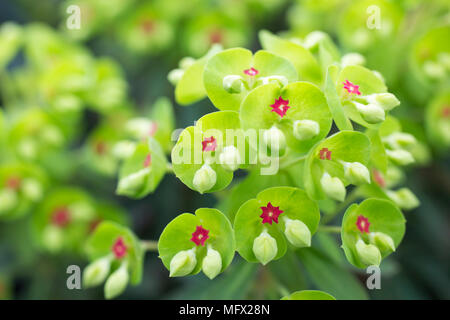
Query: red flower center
x=280 y=106
x=119 y=248
x=147 y=26
x=351 y=88
x=215 y=36
x=100 y=147
x=251 y=72
x=270 y=213
x=13 y=183
x=379 y=178
x=200 y=235
x=148 y=160
x=325 y=154
x=209 y=144
x=61 y=217
x=363 y=224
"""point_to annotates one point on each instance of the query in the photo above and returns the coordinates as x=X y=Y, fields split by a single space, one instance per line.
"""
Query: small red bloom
x=61 y=217
x=100 y=147
x=325 y=154
x=199 y=236
x=251 y=72
x=209 y=144
x=215 y=36
x=379 y=178
x=351 y=88
x=446 y=112
x=13 y=183
x=270 y=213
x=280 y=106
x=148 y=160
x=147 y=26
x=363 y=224
x=153 y=128
x=119 y=248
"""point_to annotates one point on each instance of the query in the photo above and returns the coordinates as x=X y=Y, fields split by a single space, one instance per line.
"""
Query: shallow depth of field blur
x=132 y=45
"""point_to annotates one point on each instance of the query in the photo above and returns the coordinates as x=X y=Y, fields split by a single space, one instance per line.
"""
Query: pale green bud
x=175 y=76
x=52 y=135
x=133 y=183
x=280 y=80
x=371 y=113
x=53 y=238
x=138 y=127
x=400 y=157
x=274 y=138
x=186 y=62
x=306 y=129
x=212 y=263
x=387 y=101
x=382 y=241
x=434 y=70
x=297 y=233
x=265 y=247
x=356 y=173
x=82 y=211
x=205 y=178
x=96 y=272
x=183 y=263
x=393 y=176
x=368 y=253
x=31 y=189
x=8 y=200
x=398 y=140
x=404 y=198
x=229 y=158
x=313 y=39
x=233 y=84
x=124 y=149
x=353 y=59
x=27 y=148
x=67 y=103
x=117 y=282
x=333 y=187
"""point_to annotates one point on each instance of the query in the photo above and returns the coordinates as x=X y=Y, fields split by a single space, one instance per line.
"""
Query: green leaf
x=177 y=235
x=309 y=295
x=163 y=114
x=383 y=217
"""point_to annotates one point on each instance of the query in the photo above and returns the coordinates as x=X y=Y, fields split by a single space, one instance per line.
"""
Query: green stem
x=330 y=229
x=169 y=168
x=348 y=200
x=292 y=162
x=150 y=245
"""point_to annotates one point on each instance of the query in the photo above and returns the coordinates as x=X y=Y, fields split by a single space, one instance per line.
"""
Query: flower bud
x=399 y=140
x=52 y=135
x=280 y=80
x=82 y=211
x=371 y=113
x=233 y=84
x=133 y=183
x=333 y=187
x=276 y=141
x=382 y=241
x=434 y=70
x=175 y=76
x=96 y=272
x=229 y=158
x=297 y=233
x=265 y=247
x=400 y=157
x=212 y=263
x=183 y=263
x=313 y=39
x=117 y=282
x=8 y=200
x=27 y=148
x=404 y=198
x=205 y=178
x=353 y=59
x=31 y=189
x=368 y=253
x=123 y=149
x=356 y=173
x=387 y=101
x=186 y=62
x=306 y=129
x=138 y=127
x=52 y=238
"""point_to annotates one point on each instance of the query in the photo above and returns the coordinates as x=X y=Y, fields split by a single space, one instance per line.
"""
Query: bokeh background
x=145 y=40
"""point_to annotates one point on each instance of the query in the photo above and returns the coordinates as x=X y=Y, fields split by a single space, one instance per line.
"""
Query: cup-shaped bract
x=207 y=229
x=362 y=223
x=269 y=212
x=260 y=68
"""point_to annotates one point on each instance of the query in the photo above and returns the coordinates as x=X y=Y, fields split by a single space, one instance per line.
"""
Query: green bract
x=385 y=221
x=141 y=173
x=309 y=295
x=228 y=76
x=331 y=156
x=101 y=244
x=198 y=164
x=296 y=206
x=179 y=235
x=305 y=101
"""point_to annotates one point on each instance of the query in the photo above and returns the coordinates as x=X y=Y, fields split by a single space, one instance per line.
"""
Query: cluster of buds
x=249 y=79
x=28 y=188
x=175 y=75
x=305 y=129
x=372 y=108
x=184 y=262
x=372 y=245
x=438 y=69
x=397 y=144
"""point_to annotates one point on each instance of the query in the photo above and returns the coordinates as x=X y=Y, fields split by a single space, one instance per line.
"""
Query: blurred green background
x=421 y=266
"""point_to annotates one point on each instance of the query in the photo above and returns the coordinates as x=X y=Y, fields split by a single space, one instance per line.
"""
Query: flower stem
x=292 y=162
x=150 y=245
x=169 y=168
x=330 y=229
